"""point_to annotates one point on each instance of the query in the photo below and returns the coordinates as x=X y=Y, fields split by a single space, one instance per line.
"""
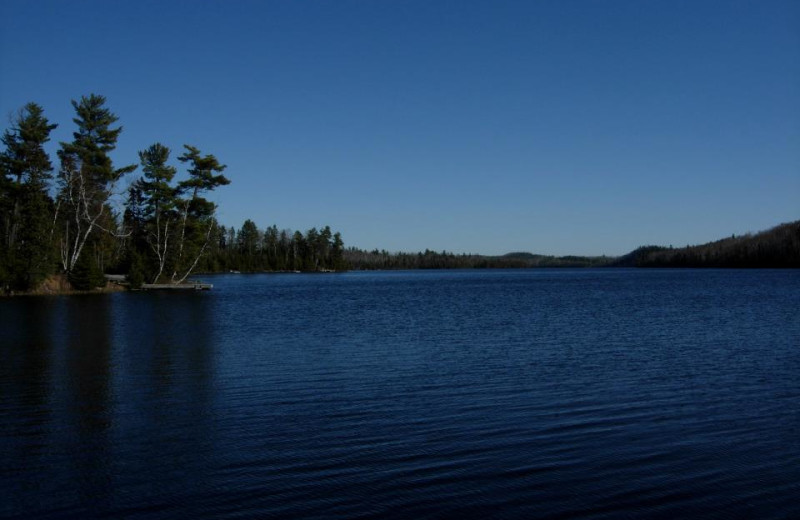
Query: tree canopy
x=26 y=209
x=75 y=223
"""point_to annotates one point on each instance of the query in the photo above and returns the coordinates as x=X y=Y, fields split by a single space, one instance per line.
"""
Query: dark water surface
x=455 y=394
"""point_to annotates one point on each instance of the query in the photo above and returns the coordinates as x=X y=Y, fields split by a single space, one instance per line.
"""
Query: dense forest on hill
x=74 y=220
x=366 y=260
x=778 y=247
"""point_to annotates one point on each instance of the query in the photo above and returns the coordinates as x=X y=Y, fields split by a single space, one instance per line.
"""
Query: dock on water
x=195 y=285
x=190 y=286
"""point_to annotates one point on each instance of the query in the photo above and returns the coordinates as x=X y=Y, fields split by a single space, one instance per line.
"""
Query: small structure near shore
x=192 y=285
x=186 y=286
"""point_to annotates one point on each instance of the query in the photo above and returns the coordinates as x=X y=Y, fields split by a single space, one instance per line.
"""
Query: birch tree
x=159 y=202
x=196 y=213
x=87 y=177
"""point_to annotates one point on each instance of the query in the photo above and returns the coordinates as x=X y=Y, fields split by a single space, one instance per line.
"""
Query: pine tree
x=270 y=248
x=196 y=214
x=159 y=202
x=87 y=177
x=247 y=242
x=25 y=206
x=311 y=257
x=337 y=253
x=133 y=222
x=86 y=274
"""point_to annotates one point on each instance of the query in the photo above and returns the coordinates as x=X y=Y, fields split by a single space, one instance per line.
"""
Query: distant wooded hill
x=360 y=259
x=778 y=247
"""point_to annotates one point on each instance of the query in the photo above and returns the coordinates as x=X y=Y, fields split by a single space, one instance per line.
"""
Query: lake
x=596 y=393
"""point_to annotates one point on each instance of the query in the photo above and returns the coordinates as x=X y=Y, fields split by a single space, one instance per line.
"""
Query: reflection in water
x=25 y=351
x=165 y=380
x=104 y=392
x=25 y=367
x=166 y=344
x=88 y=352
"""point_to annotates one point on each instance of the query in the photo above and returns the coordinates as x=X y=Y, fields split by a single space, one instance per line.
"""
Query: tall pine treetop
x=94 y=139
x=201 y=171
x=155 y=185
x=24 y=158
x=94 y=122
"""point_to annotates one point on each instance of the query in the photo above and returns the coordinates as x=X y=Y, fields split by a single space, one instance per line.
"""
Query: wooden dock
x=190 y=286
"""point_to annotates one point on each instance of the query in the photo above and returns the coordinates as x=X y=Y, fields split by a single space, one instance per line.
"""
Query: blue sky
x=556 y=127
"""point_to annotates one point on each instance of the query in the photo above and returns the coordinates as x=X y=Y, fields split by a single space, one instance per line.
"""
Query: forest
x=75 y=221
x=778 y=247
x=370 y=260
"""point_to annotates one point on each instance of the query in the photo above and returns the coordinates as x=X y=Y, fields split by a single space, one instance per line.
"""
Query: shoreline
x=59 y=285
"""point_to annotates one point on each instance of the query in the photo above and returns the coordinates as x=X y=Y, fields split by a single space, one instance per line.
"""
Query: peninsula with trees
x=64 y=228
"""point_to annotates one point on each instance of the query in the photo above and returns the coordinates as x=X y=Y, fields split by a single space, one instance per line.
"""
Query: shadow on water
x=102 y=393
x=166 y=348
x=87 y=378
x=25 y=372
x=165 y=345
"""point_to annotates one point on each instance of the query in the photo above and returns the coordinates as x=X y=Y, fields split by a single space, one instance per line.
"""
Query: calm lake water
x=436 y=394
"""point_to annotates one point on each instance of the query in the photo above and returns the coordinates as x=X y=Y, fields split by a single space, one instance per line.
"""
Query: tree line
x=382 y=259
x=74 y=219
x=250 y=249
x=778 y=247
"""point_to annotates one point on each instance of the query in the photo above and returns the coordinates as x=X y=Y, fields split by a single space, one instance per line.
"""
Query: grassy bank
x=58 y=284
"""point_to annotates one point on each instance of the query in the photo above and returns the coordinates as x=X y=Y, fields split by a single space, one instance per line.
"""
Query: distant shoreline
x=776 y=248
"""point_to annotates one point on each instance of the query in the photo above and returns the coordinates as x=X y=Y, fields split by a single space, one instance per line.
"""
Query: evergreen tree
x=337 y=253
x=196 y=214
x=136 y=270
x=133 y=221
x=285 y=245
x=324 y=247
x=25 y=205
x=298 y=250
x=87 y=177
x=270 y=248
x=86 y=274
x=311 y=250
x=248 y=240
x=160 y=202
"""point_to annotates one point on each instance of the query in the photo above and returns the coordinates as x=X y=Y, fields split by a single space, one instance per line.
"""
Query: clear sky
x=549 y=126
